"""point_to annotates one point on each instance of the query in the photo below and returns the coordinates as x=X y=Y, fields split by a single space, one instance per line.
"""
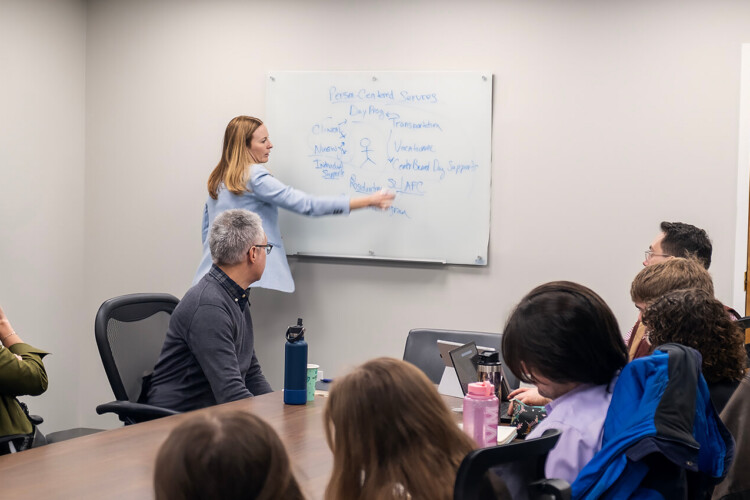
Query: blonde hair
x=676 y=273
x=392 y=436
x=235 y=157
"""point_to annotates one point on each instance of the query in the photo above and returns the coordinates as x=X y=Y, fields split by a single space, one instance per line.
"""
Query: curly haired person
x=694 y=318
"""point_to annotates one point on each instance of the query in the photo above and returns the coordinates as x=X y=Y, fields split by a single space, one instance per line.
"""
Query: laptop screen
x=463 y=361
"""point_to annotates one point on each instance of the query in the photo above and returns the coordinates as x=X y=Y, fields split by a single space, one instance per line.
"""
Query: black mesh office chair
x=525 y=460
x=421 y=349
x=37 y=439
x=130 y=332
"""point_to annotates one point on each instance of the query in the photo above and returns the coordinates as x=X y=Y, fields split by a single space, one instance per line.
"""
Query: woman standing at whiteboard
x=241 y=181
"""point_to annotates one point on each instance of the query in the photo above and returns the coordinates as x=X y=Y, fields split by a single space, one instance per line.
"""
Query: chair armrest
x=36 y=419
x=557 y=489
x=132 y=413
x=11 y=437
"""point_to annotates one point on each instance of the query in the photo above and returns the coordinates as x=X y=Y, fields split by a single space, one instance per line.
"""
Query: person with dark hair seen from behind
x=563 y=338
x=678 y=239
x=694 y=318
x=208 y=356
x=21 y=373
x=391 y=435
x=227 y=455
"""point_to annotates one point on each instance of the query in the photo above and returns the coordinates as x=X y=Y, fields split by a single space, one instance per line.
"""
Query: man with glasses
x=208 y=356
x=678 y=239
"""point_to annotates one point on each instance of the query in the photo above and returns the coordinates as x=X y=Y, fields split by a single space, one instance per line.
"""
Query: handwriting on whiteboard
x=342 y=144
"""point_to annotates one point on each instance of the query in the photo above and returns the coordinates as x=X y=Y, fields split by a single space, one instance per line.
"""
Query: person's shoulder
x=554 y=420
x=257 y=171
x=206 y=292
x=578 y=407
x=260 y=180
x=206 y=303
x=594 y=394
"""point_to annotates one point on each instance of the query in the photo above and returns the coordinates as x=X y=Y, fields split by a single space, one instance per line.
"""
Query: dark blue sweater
x=208 y=355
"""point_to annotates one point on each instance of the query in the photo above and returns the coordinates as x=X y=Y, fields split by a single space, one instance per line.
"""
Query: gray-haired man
x=208 y=355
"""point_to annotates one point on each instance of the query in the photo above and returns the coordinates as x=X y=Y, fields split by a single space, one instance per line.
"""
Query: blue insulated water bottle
x=295 y=365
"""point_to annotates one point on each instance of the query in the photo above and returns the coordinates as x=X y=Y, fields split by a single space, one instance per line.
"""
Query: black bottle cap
x=296 y=332
x=489 y=358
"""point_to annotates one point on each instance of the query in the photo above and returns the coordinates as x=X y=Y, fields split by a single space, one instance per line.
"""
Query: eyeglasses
x=650 y=254
x=268 y=247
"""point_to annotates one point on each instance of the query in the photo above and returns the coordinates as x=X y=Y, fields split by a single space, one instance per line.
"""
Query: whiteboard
x=424 y=135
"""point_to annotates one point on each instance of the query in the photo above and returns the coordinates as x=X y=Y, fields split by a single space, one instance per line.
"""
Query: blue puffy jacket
x=662 y=436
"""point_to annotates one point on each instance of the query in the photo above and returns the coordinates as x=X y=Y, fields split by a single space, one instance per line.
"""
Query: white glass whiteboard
x=424 y=135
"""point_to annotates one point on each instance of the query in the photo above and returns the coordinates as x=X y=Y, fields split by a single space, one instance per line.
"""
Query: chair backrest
x=735 y=416
x=130 y=332
x=745 y=325
x=421 y=349
x=527 y=459
x=744 y=322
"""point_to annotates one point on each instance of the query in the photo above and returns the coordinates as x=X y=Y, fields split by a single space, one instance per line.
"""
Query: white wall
x=42 y=166
x=608 y=118
x=743 y=181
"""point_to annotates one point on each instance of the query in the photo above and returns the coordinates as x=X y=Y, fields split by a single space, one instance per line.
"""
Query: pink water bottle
x=480 y=413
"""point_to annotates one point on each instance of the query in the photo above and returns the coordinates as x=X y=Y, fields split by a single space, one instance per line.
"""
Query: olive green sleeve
x=22 y=377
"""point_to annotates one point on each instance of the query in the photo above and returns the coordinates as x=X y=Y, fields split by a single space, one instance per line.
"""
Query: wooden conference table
x=119 y=463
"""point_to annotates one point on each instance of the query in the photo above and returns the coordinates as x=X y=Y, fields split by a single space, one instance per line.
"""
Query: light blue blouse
x=266 y=194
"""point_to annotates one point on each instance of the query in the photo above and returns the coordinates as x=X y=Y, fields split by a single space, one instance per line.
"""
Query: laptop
x=449 y=385
x=463 y=359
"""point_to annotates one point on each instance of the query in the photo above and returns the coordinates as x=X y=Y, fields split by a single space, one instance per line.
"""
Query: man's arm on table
x=255 y=381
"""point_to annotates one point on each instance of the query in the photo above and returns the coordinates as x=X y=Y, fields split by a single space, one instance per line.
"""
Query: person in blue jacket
x=662 y=436
x=241 y=180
